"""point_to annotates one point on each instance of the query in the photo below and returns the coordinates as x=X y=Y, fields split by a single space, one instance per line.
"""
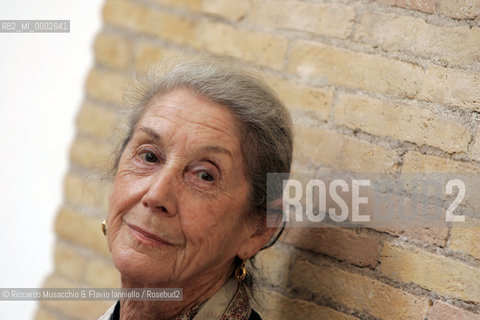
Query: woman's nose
x=161 y=194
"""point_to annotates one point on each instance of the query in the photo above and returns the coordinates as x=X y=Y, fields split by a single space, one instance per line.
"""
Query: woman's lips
x=147 y=237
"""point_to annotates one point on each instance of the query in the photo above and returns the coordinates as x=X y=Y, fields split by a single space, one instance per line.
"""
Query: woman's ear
x=274 y=215
x=264 y=230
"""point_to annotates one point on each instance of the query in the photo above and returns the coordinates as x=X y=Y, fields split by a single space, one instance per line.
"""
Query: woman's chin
x=136 y=267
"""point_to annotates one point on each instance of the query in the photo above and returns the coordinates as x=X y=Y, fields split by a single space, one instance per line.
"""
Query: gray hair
x=264 y=122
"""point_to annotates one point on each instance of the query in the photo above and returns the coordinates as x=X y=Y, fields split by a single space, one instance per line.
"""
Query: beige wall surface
x=387 y=86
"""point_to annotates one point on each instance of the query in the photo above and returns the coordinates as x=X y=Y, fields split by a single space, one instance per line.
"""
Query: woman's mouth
x=147 y=237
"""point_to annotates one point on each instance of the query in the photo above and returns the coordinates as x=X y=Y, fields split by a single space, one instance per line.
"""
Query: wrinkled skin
x=178 y=203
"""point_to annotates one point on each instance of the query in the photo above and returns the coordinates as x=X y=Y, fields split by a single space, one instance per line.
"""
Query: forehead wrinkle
x=148 y=125
x=187 y=106
x=224 y=132
x=203 y=124
x=215 y=149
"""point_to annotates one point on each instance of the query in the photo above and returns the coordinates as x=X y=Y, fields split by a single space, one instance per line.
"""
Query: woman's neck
x=194 y=293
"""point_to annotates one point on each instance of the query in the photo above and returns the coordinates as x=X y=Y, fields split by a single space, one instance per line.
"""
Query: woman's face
x=179 y=197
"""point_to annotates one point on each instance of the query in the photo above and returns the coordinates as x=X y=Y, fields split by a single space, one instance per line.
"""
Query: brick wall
x=373 y=86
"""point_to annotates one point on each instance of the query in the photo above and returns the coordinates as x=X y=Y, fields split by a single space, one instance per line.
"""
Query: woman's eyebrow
x=208 y=148
x=152 y=133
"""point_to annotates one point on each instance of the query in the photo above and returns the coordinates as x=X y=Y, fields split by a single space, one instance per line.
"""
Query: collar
x=231 y=302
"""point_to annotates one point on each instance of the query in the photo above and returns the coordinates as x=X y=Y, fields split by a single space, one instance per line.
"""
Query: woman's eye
x=148 y=156
x=205 y=176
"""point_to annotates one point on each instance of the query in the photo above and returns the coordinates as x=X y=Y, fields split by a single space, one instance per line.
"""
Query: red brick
x=443 y=311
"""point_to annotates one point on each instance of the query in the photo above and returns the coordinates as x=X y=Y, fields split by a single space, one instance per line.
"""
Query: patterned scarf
x=231 y=302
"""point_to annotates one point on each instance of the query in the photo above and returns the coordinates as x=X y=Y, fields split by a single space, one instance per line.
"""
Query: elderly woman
x=189 y=206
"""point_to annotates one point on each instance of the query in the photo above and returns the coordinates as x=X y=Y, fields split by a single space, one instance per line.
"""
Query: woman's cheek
x=112 y=232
